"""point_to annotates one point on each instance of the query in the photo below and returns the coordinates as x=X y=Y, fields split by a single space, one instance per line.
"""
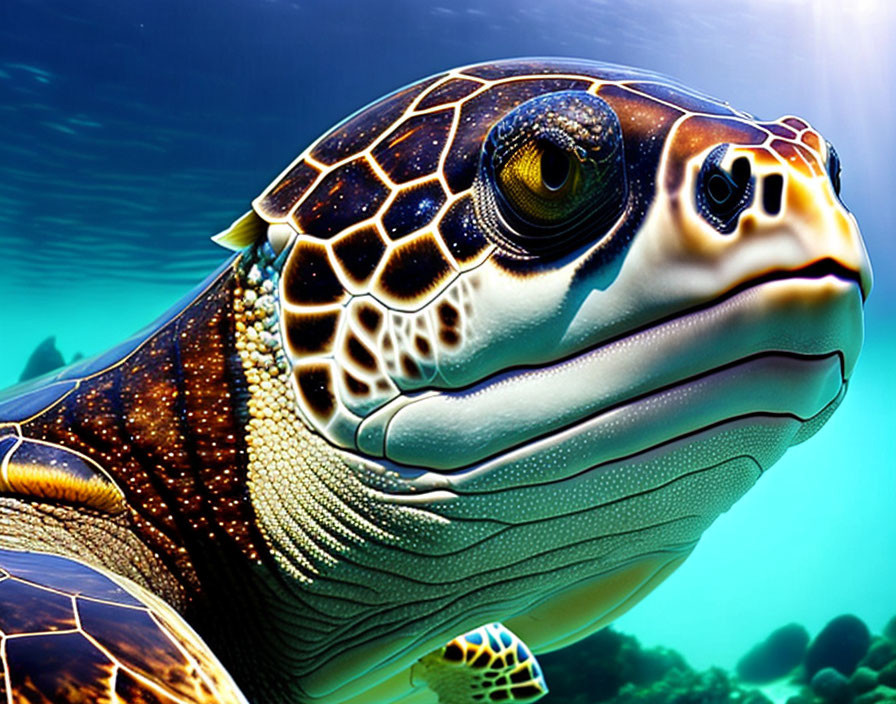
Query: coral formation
x=774 y=657
x=608 y=661
x=612 y=667
x=840 y=645
x=890 y=630
x=829 y=684
x=844 y=664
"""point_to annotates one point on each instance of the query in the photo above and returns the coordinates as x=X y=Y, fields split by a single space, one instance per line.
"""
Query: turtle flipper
x=73 y=633
x=487 y=664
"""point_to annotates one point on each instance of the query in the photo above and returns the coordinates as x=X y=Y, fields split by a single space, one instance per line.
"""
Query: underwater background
x=132 y=131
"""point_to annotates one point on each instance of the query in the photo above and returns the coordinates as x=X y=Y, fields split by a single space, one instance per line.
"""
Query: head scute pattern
x=406 y=208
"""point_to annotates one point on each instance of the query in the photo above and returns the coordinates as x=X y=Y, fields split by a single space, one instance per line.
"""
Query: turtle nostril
x=740 y=171
x=772 y=186
x=723 y=193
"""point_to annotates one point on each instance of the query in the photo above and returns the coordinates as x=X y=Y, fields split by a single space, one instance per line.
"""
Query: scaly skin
x=496 y=350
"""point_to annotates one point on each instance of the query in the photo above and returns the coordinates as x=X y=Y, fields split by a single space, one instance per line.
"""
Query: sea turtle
x=491 y=356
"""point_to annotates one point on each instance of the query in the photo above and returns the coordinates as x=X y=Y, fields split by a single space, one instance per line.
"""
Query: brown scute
x=448 y=314
x=460 y=232
x=790 y=152
x=809 y=159
x=644 y=121
x=315 y=383
x=682 y=97
x=453 y=653
x=413 y=208
x=355 y=385
x=359 y=253
x=361 y=130
x=448 y=337
x=796 y=123
x=370 y=317
x=344 y=197
x=409 y=367
x=811 y=140
x=25 y=608
x=778 y=129
x=482 y=660
x=288 y=191
x=310 y=333
x=696 y=134
x=132 y=691
x=308 y=276
x=359 y=354
x=61 y=668
x=496 y=70
x=416 y=267
x=422 y=346
x=135 y=640
x=412 y=149
x=450 y=91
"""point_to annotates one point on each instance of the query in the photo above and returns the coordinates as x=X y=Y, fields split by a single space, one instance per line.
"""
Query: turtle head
x=552 y=318
x=467 y=225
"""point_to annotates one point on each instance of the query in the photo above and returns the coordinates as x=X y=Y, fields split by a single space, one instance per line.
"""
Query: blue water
x=131 y=131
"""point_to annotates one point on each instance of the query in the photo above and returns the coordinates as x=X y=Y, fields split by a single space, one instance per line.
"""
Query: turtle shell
x=75 y=633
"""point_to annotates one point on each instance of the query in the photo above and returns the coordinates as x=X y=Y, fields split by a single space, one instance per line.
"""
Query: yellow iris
x=542 y=182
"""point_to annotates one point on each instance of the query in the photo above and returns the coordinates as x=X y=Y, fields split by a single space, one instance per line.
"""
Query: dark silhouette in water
x=840 y=645
x=45 y=358
x=774 y=657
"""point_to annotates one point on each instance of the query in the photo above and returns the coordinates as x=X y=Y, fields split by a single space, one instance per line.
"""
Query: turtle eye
x=541 y=181
x=553 y=174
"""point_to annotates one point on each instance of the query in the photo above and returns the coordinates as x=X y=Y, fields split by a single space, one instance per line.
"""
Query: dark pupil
x=554 y=167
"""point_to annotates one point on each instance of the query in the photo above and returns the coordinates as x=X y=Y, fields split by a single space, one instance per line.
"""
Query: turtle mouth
x=816 y=270
x=793 y=335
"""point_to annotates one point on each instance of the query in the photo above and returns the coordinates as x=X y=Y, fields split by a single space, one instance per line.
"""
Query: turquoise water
x=130 y=132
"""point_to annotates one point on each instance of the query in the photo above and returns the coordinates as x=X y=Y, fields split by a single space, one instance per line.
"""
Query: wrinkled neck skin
x=380 y=564
x=318 y=575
